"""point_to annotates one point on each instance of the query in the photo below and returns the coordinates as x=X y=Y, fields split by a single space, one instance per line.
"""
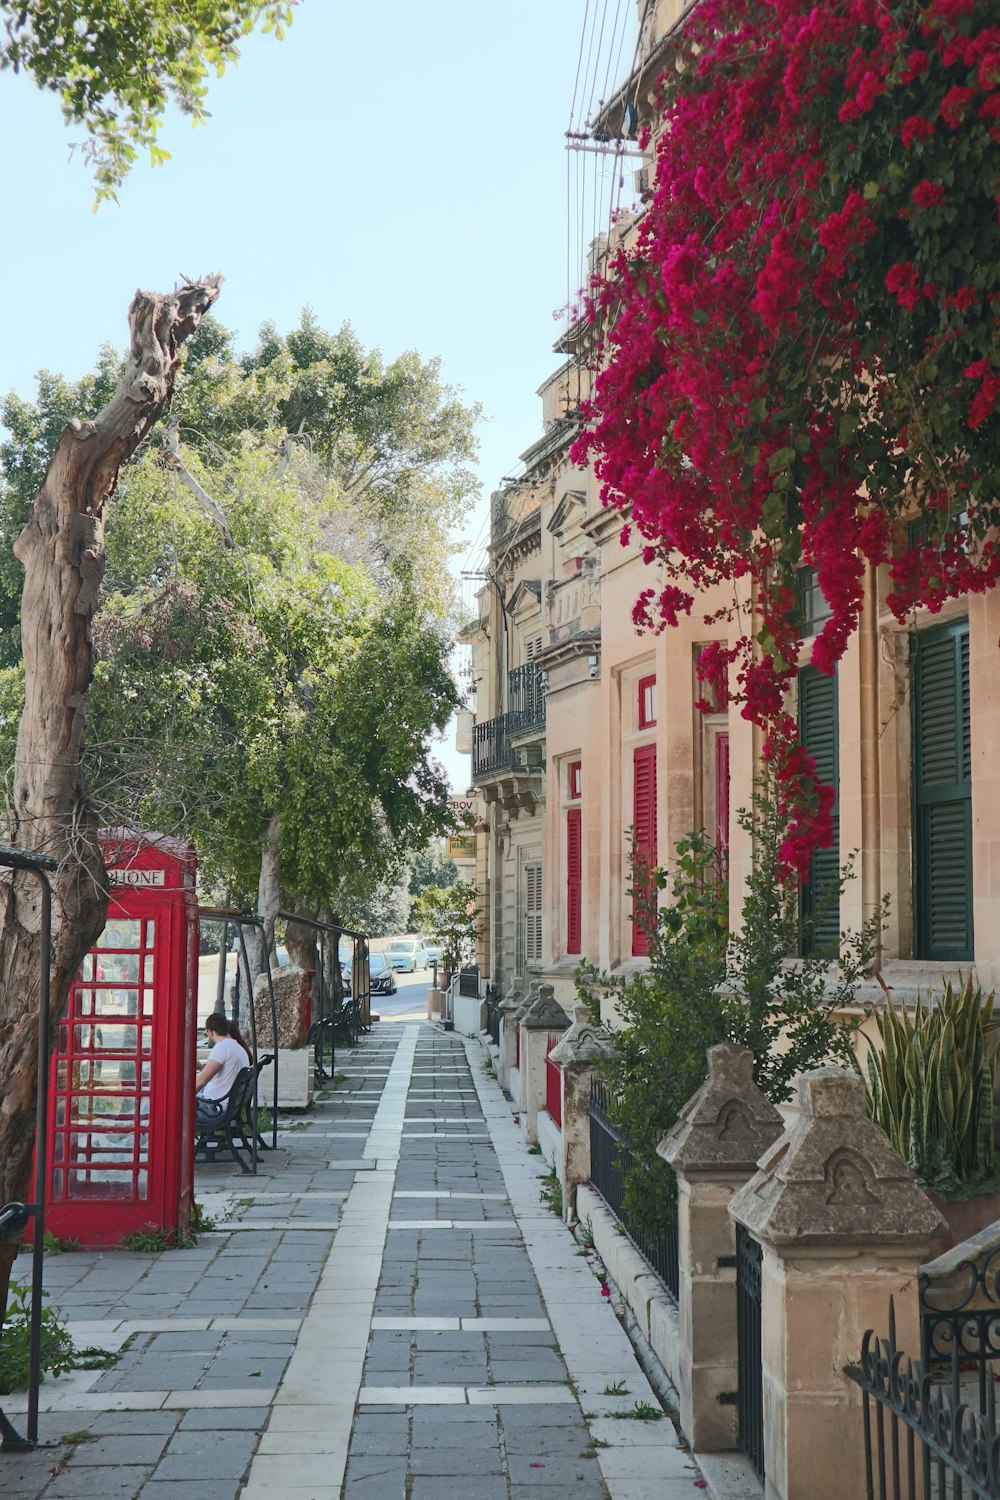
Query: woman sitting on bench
x=229 y=1054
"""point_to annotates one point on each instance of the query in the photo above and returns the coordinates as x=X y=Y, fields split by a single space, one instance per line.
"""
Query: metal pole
x=37 y=865
x=41 y=1156
x=274 y=1040
x=253 y=1045
x=220 y=994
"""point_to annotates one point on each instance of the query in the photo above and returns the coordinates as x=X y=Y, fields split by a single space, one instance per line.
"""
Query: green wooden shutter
x=819 y=725
x=942 y=794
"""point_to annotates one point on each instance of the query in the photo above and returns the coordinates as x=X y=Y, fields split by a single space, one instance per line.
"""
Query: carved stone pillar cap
x=727 y=1124
x=833 y=1178
x=513 y=1000
x=545 y=1013
x=584 y=1043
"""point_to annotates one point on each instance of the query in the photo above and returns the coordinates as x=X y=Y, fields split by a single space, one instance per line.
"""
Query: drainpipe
x=871 y=861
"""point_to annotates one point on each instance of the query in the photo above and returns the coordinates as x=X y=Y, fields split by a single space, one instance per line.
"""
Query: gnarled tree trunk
x=268 y=899
x=62 y=549
x=301 y=944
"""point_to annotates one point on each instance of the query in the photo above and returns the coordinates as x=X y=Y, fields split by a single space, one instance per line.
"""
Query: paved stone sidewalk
x=387 y=1310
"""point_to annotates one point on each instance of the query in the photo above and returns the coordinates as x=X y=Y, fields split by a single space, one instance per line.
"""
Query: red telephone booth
x=121 y=1116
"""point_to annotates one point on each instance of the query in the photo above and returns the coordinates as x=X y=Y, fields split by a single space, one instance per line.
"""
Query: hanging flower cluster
x=800 y=361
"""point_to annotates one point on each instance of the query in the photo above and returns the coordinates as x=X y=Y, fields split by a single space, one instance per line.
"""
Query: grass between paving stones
x=551 y=1191
x=641 y=1411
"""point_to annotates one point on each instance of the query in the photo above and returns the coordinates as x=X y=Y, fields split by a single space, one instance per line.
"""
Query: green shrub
x=705 y=986
x=788 y=1010
x=57 y=1348
x=670 y=1015
x=931 y=1085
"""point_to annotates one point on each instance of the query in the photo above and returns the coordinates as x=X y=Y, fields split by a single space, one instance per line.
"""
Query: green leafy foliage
x=788 y=1010
x=552 y=1193
x=56 y=1246
x=384 y=446
x=669 y=1016
x=115 y=68
x=449 y=914
x=15 y=1340
x=431 y=867
x=302 y=673
x=705 y=985
x=931 y=1087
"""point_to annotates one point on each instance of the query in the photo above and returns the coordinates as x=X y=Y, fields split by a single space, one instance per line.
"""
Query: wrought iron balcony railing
x=491 y=748
x=525 y=698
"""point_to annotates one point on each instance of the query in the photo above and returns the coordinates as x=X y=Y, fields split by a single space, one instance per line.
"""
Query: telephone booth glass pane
x=104 y=1078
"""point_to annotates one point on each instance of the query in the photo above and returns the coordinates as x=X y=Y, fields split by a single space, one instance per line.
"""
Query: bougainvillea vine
x=799 y=362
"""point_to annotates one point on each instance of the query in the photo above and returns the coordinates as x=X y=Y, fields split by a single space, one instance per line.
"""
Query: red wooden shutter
x=643 y=826
x=722 y=793
x=574 y=879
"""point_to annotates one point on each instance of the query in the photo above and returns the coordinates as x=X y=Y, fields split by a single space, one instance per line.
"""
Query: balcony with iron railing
x=525 y=698
x=491 y=747
x=492 y=750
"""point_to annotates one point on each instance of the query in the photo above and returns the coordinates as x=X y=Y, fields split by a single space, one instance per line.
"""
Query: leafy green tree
x=273 y=699
x=390 y=444
x=381 y=451
x=386 y=910
x=431 y=867
x=238 y=691
x=449 y=914
x=116 y=67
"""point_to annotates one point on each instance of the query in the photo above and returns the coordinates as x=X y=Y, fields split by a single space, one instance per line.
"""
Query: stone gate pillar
x=579 y=1054
x=713 y=1149
x=509 y=1007
x=844 y=1227
x=538 y=1022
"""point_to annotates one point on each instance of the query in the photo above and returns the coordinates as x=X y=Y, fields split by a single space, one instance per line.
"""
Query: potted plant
x=931 y=1089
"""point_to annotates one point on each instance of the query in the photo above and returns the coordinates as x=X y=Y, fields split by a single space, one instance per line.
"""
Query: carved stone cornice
x=727 y=1125
x=545 y=1013
x=584 y=1043
x=833 y=1178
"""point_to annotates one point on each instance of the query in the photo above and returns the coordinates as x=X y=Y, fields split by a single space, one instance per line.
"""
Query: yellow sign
x=461 y=846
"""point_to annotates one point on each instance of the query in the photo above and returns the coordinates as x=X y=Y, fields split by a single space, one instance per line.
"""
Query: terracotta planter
x=965 y=1219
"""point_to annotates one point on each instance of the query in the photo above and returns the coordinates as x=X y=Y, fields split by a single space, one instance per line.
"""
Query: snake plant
x=930 y=1087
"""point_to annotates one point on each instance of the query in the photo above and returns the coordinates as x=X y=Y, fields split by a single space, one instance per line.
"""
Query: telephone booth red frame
x=121 y=1104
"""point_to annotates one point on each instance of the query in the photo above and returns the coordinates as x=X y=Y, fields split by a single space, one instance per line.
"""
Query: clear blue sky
x=399 y=165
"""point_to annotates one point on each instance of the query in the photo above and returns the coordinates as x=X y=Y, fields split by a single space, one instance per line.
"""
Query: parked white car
x=407 y=955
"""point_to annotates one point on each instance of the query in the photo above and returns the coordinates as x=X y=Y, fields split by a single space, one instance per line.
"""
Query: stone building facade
x=587 y=742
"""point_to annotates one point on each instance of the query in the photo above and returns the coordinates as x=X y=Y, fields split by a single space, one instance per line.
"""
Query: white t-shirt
x=231 y=1055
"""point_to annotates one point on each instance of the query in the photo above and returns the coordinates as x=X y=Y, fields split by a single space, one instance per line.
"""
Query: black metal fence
x=610 y=1159
x=960 y=1331
x=920 y=1438
x=750 y=1385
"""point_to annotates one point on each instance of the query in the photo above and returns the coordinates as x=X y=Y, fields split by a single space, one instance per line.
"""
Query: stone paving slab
x=386 y=1310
